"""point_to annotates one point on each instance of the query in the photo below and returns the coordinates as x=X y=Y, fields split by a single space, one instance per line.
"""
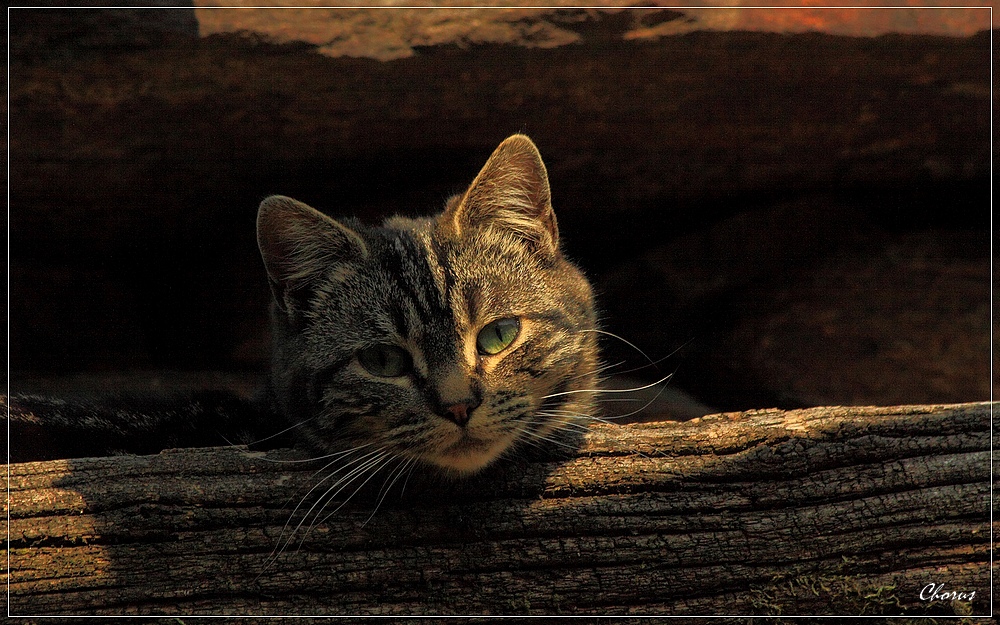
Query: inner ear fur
x=510 y=193
x=299 y=244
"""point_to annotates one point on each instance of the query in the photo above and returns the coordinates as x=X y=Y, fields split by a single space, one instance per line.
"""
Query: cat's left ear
x=299 y=246
x=511 y=193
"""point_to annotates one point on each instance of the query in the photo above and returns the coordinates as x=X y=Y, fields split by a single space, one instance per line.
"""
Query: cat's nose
x=459 y=413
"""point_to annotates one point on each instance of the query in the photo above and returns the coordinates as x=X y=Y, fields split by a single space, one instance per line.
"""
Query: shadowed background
x=792 y=204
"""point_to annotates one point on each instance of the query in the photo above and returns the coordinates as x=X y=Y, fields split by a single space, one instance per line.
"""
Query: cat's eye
x=497 y=335
x=385 y=361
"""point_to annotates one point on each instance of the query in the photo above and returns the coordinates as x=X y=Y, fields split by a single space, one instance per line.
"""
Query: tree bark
x=818 y=511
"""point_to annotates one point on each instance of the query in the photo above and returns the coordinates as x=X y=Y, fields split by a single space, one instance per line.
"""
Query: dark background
x=794 y=219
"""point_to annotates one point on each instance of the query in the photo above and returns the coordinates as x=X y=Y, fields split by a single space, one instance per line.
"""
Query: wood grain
x=819 y=511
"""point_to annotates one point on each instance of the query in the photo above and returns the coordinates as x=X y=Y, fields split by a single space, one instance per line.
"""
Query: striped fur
x=429 y=286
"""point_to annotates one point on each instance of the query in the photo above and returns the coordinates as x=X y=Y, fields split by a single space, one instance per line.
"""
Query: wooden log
x=818 y=511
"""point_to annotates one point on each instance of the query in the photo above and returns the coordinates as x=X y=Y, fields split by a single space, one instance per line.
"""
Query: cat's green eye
x=497 y=335
x=385 y=361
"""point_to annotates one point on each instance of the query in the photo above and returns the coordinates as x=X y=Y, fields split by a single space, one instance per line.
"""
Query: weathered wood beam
x=818 y=511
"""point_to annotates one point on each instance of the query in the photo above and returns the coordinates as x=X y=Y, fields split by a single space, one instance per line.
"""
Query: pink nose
x=459 y=413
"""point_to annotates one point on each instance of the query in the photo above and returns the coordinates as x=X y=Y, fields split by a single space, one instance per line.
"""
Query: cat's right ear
x=511 y=196
x=299 y=245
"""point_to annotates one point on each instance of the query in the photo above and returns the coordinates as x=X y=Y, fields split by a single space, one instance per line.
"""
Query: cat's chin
x=466 y=456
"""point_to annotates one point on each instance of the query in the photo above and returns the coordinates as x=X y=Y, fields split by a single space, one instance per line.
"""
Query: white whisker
x=597 y=371
x=282 y=545
x=387 y=485
x=363 y=459
x=611 y=390
x=543 y=438
x=344 y=482
x=280 y=432
x=648 y=403
x=316 y=458
x=629 y=343
x=375 y=466
x=652 y=362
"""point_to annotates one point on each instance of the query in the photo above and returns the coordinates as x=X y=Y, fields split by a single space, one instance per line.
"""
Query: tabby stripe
x=400 y=320
x=511 y=408
x=402 y=270
x=530 y=347
x=441 y=252
x=323 y=376
x=560 y=320
x=534 y=373
x=471 y=294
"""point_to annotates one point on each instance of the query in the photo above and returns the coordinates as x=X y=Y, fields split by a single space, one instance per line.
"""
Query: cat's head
x=448 y=340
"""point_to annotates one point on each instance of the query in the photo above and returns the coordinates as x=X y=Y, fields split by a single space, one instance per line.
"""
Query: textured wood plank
x=820 y=511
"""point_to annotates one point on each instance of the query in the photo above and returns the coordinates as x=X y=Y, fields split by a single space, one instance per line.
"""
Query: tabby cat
x=447 y=341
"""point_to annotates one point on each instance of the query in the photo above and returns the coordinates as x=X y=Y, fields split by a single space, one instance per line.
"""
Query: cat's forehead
x=409 y=246
x=477 y=260
x=413 y=282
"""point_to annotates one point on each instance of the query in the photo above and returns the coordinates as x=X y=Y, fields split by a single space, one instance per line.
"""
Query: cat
x=445 y=342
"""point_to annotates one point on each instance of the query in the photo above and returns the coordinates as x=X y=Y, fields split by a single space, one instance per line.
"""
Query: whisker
x=543 y=438
x=653 y=362
x=282 y=545
x=280 y=432
x=580 y=426
x=574 y=422
x=627 y=342
x=316 y=458
x=596 y=371
x=611 y=390
x=331 y=492
x=375 y=466
x=648 y=403
x=387 y=485
x=569 y=418
x=606 y=367
x=413 y=465
x=538 y=442
x=305 y=497
x=530 y=443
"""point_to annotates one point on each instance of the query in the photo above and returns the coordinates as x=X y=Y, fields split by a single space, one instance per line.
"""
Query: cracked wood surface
x=817 y=511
